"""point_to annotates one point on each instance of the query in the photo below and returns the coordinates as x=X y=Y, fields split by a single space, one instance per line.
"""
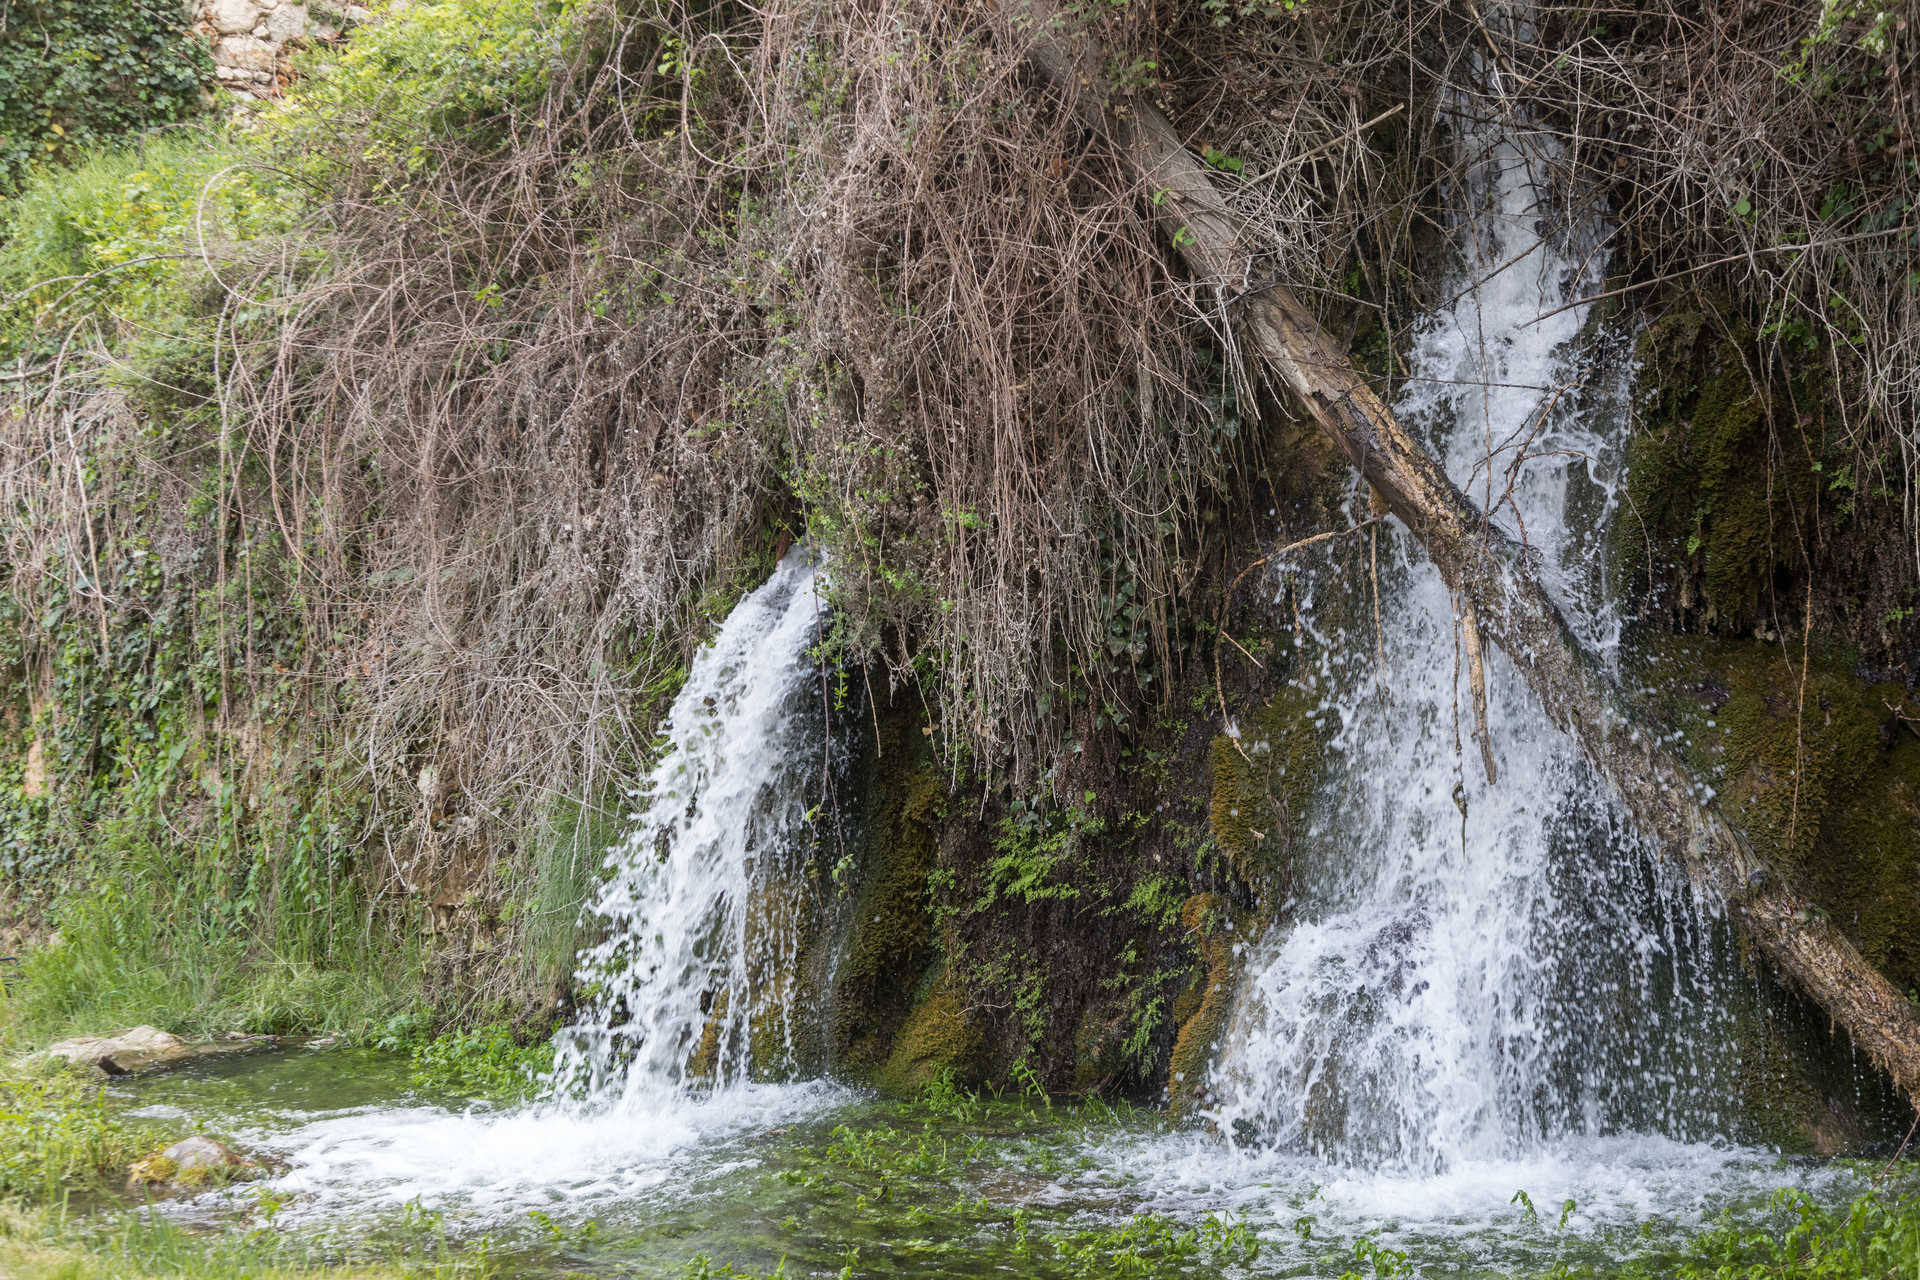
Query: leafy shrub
x=117 y=237
x=422 y=72
x=487 y=1062
x=79 y=74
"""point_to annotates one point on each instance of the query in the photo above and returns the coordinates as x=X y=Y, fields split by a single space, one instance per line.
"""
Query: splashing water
x=691 y=992
x=1473 y=968
x=703 y=904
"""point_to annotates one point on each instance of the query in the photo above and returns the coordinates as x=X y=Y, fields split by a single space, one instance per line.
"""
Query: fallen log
x=1506 y=602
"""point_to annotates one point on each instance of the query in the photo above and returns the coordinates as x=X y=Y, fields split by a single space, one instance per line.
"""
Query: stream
x=1486 y=1033
x=761 y=1173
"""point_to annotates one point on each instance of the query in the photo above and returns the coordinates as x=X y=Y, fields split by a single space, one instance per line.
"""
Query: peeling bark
x=1481 y=564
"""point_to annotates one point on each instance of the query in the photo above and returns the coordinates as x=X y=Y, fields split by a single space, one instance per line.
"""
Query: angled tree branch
x=1513 y=610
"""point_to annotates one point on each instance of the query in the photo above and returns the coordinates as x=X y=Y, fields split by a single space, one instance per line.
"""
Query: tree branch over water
x=1480 y=562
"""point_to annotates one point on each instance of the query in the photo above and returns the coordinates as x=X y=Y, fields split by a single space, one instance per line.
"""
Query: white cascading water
x=695 y=977
x=1472 y=968
x=701 y=905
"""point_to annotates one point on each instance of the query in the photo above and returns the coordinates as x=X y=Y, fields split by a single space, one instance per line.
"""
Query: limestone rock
x=288 y=21
x=232 y=17
x=141 y=1049
x=248 y=53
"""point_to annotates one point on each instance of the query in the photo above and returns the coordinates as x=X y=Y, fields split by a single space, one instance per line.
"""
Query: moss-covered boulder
x=939 y=1039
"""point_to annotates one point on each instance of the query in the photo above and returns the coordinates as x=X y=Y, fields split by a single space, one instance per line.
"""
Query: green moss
x=1822 y=774
x=938 y=1040
x=1714 y=512
x=1262 y=784
x=889 y=942
x=1201 y=1011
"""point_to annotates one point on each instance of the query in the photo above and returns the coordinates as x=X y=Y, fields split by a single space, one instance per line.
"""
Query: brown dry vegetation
x=526 y=400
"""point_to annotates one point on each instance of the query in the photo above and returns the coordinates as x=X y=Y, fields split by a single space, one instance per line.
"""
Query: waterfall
x=703 y=906
x=1471 y=968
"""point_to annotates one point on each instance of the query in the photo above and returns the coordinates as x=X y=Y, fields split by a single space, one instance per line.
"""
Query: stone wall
x=253 y=39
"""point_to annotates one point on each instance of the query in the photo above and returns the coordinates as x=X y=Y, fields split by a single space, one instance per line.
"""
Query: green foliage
x=420 y=74
x=1874 y=1235
x=140 y=946
x=56 y=1134
x=489 y=1061
x=115 y=240
x=81 y=74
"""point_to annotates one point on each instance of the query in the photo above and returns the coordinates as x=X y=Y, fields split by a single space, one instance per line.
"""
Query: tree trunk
x=1481 y=563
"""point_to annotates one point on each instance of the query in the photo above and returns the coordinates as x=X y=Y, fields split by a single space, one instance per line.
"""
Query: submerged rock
x=142 y=1049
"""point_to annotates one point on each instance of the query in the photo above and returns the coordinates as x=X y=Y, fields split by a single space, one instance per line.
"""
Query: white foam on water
x=494 y=1166
x=1469 y=1214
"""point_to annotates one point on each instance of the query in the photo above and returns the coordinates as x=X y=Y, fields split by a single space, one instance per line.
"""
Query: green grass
x=45 y=1245
x=122 y=958
x=57 y=1135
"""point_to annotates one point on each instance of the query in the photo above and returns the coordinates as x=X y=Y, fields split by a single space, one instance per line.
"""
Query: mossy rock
x=1819 y=767
x=1713 y=510
x=1262 y=782
x=889 y=940
x=1201 y=1010
x=939 y=1037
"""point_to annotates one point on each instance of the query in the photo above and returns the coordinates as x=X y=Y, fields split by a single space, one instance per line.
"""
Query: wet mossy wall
x=1747 y=502
x=1088 y=940
x=1817 y=764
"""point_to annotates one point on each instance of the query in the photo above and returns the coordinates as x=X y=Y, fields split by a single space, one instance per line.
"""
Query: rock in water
x=189 y=1163
x=141 y=1049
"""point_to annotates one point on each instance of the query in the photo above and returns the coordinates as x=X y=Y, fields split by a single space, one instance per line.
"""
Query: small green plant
x=489 y=1062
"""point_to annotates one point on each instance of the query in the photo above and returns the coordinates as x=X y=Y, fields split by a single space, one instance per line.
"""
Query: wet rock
x=141 y=1049
x=189 y=1164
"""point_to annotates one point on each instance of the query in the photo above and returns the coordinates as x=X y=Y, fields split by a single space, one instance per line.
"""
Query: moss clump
x=1820 y=768
x=1717 y=505
x=157 y=1170
x=1263 y=781
x=939 y=1040
x=1201 y=1010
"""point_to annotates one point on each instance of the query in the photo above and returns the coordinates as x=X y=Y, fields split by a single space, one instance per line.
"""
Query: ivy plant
x=79 y=74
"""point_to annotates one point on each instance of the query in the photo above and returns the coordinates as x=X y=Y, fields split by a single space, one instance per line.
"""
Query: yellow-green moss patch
x=1202 y=1009
x=1263 y=780
x=939 y=1037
